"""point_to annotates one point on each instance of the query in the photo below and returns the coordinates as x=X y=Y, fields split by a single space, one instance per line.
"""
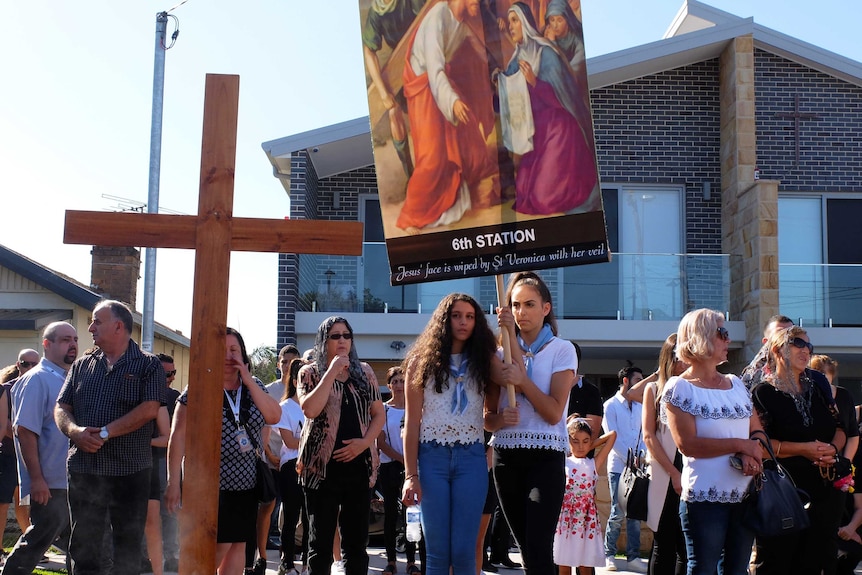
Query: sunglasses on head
x=723 y=333
x=170 y=373
x=802 y=344
x=337 y=336
x=27 y=363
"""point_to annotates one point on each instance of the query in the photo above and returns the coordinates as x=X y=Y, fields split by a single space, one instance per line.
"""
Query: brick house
x=730 y=158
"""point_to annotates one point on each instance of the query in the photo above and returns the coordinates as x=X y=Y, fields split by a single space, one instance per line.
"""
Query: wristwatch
x=103 y=433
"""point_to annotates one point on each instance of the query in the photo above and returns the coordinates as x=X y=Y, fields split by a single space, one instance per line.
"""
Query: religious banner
x=483 y=137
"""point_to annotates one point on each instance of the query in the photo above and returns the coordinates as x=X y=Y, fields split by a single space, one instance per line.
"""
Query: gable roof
x=66 y=288
x=698 y=32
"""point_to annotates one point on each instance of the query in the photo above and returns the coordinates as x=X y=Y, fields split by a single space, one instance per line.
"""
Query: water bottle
x=414 y=526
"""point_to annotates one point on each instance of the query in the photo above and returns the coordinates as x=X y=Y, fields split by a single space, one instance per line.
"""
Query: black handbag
x=633 y=490
x=265 y=486
x=773 y=504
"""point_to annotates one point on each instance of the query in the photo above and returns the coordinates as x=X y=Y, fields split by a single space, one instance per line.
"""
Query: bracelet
x=778 y=451
x=411 y=476
x=835 y=448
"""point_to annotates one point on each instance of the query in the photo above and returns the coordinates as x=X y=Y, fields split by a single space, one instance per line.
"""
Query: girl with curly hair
x=448 y=373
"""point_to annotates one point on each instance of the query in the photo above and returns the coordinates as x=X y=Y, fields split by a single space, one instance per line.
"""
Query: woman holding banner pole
x=530 y=439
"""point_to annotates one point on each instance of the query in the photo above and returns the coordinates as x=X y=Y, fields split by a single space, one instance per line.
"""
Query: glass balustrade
x=630 y=287
x=820 y=295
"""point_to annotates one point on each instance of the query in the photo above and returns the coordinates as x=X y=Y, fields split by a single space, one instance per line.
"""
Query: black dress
x=814 y=549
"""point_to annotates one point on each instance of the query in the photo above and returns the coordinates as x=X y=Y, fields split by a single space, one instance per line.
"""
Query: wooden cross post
x=213 y=234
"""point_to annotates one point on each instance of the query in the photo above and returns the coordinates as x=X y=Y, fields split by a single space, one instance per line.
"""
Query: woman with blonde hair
x=710 y=418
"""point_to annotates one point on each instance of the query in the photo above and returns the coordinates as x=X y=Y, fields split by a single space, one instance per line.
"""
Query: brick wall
x=664 y=129
x=830 y=146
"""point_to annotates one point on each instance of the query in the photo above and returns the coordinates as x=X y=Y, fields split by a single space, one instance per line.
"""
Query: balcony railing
x=631 y=286
x=821 y=295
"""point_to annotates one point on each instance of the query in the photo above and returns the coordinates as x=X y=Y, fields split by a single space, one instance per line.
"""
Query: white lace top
x=532 y=431
x=718 y=413
x=441 y=425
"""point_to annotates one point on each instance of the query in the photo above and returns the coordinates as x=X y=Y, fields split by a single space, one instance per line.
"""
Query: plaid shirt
x=98 y=396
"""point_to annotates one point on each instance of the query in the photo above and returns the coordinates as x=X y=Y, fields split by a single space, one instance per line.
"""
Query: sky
x=75 y=112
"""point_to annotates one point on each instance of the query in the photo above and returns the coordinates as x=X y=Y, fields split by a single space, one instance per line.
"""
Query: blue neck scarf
x=458 y=373
x=530 y=351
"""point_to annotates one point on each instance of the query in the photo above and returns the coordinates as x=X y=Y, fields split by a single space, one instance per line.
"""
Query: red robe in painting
x=445 y=155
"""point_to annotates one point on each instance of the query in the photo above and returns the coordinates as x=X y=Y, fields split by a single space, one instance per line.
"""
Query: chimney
x=115 y=273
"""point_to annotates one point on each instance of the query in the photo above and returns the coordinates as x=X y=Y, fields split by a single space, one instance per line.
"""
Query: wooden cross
x=213 y=234
x=797 y=117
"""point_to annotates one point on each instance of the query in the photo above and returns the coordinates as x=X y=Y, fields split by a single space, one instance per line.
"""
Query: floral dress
x=578 y=540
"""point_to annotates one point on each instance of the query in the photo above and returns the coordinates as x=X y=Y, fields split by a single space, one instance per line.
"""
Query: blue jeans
x=615 y=521
x=716 y=541
x=454 y=481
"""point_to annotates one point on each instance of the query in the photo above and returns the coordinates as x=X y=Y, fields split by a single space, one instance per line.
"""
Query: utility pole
x=147 y=326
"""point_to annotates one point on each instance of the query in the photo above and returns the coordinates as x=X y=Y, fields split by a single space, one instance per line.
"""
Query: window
x=820 y=277
x=643 y=279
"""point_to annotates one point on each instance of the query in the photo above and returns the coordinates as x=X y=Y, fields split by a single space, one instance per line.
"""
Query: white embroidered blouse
x=718 y=413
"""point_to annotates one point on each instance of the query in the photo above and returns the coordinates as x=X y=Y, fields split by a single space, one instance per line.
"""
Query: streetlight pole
x=147 y=325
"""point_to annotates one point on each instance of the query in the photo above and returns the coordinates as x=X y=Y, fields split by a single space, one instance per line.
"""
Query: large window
x=644 y=279
x=820 y=277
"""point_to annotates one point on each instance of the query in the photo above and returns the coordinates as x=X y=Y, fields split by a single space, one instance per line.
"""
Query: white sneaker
x=338 y=567
x=609 y=564
x=635 y=566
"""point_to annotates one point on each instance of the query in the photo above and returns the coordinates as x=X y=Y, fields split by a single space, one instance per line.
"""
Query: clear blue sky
x=75 y=111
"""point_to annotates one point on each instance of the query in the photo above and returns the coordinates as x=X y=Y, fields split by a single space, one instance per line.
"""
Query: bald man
x=42 y=447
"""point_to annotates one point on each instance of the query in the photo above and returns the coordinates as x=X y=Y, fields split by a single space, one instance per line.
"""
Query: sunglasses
x=802 y=344
x=337 y=336
x=170 y=373
x=723 y=333
x=27 y=363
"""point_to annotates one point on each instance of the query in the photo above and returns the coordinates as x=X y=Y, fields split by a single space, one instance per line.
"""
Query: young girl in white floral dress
x=578 y=541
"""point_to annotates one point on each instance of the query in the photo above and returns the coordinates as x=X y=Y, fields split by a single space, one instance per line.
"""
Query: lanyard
x=234 y=405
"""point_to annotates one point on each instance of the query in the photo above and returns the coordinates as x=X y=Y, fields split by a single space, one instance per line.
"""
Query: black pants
x=93 y=501
x=390 y=479
x=668 y=555
x=530 y=485
x=292 y=508
x=349 y=493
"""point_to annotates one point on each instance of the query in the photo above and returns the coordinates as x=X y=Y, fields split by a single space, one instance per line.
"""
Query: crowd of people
x=99 y=440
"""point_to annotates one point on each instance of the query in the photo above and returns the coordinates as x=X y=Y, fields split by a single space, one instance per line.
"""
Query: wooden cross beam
x=213 y=234
x=797 y=117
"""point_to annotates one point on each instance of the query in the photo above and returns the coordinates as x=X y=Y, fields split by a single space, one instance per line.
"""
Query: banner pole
x=504 y=338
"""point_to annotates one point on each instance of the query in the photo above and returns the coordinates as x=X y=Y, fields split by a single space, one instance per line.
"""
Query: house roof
x=31 y=319
x=67 y=288
x=698 y=32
